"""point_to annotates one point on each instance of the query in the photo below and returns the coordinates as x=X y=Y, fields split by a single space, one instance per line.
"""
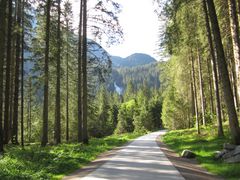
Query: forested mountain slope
x=133 y=60
x=138 y=75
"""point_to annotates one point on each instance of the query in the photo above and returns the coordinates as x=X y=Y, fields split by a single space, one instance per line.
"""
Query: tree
x=236 y=42
x=67 y=19
x=84 y=72
x=202 y=96
x=58 y=75
x=22 y=74
x=195 y=96
x=3 y=4
x=125 y=117
x=214 y=67
x=222 y=66
x=17 y=73
x=8 y=75
x=80 y=116
x=46 y=76
x=129 y=91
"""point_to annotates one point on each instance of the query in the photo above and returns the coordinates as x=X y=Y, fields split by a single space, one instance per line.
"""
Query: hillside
x=133 y=60
x=148 y=73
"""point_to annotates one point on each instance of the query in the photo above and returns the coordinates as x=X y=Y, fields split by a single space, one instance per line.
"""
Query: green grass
x=204 y=146
x=53 y=162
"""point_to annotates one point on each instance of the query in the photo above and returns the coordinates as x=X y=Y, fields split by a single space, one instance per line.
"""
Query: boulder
x=233 y=159
x=228 y=155
x=188 y=154
x=236 y=151
x=219 y=154
x=229 y=147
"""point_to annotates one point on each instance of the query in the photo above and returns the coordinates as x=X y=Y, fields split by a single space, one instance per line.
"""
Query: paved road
x=140 y=160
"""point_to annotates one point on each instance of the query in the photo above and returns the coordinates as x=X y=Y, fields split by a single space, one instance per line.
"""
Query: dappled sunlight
x=141 y=159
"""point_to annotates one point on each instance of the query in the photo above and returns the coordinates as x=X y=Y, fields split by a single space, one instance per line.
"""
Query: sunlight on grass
x=53 y=162
x=204 y=146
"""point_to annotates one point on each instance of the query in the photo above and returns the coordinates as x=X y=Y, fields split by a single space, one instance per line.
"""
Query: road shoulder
x=189 y=168
x=92 y=166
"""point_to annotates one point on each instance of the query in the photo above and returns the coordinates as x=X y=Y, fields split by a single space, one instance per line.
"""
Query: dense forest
x=58 y=86
x=52 y=95
x=139 y=75
x=201 y=79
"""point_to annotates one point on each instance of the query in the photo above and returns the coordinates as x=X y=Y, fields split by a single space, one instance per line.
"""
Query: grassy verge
x=53 y=162
x=204 y=146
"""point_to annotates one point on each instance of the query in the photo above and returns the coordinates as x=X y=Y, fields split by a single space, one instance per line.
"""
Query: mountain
x=139 y=75
x=133 y=60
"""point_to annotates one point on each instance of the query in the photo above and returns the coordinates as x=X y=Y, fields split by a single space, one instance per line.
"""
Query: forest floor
x=54 y=162
x=204 y=146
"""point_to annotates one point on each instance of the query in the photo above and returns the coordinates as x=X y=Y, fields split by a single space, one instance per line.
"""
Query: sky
x=140 y=27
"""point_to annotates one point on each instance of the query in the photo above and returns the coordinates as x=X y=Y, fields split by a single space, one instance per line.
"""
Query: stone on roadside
x=236 y=151
x=228 y=154
x=229 y=147
x=233 y=159
x=188 y=154
x=219 y=154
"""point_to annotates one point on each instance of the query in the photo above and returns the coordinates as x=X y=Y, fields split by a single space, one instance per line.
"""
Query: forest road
x=141 y=159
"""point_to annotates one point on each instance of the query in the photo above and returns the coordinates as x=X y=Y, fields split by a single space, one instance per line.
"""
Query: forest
x=201 y=79
x=53 y=99
x=202 y=74
x=57 y=94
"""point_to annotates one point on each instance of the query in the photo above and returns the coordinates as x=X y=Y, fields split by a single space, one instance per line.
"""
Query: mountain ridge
x=136 y=59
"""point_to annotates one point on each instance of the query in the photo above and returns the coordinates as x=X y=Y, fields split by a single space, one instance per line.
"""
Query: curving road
x=142 y=159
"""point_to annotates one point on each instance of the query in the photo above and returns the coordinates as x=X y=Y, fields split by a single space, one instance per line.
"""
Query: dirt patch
x=189 y=168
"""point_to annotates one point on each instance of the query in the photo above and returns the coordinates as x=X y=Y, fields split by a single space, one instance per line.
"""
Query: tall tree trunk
x=16 y=81
x=210 y=84
x=3 y=5
x=8 y=75
x=195 y=96
x=193 y=99
x=46 y=76
x=235 y=41
x=84 y=71
x=67 y=86
x=80 y=133
x=215 y=71
x=58 y=96
x=29 y=121
x=22 y=78
x=222 y=66
x=13 y=64
x=202 y=97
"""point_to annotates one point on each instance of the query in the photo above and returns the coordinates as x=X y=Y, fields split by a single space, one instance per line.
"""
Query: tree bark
x=210 y=84
x=29 y=121
x=58 y=96
x=84 y=70
x=3 y=5
x=67 y=87
x=46 y=76
x=195 y=96
x=222 y=66
x=215 y=71
x=8 y=75
x=80 y=129
x=17 y=73
x=202 y=97
x=22 y=77
x=193 y=99
x=234 y=26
